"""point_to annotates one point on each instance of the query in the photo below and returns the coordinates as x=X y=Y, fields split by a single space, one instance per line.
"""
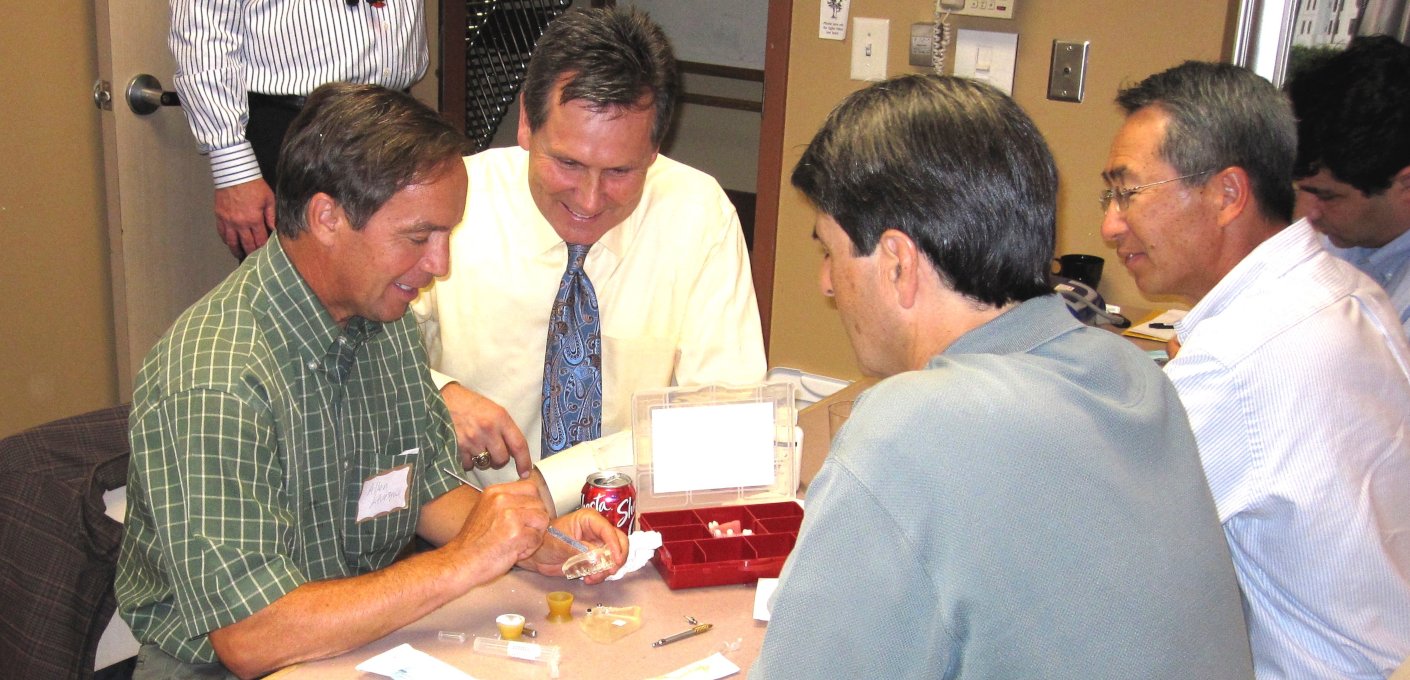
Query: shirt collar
x=337 y=361
x=1377 y=262
x=1278 y=254
x=1019 y=330
x=302 y=322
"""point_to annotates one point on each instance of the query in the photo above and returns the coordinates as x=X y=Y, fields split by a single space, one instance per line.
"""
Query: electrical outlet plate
x=1068 y=75
x=922 y=42
x=869 y=48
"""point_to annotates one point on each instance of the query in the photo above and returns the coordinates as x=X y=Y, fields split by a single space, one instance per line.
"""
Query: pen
x=575 y=543
x=1160 y=326
x=692 y=631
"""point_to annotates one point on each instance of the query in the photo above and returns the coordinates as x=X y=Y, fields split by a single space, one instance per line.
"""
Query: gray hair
x=1224 y=116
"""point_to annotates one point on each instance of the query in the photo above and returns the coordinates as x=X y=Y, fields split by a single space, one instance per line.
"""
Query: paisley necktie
x=572 y=366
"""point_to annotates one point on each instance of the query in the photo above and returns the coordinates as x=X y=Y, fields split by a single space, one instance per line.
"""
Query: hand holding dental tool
x=587 y=562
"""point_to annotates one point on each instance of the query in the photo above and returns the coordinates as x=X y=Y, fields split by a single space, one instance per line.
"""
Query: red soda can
x=612 y=495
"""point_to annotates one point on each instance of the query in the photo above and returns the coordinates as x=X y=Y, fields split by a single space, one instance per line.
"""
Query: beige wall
x=56 y=302
x=55 y=293
x=1130 y=40
x=57 y=307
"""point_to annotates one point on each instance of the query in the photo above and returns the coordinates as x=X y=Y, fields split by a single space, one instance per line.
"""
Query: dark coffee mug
x=1084 y=268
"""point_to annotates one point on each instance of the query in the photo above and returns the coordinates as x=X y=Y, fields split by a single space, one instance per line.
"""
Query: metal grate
x=499 y=37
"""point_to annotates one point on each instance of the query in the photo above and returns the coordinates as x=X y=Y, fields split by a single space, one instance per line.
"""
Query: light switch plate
x=869 y=48
x=1068 y=76
x=988 y=56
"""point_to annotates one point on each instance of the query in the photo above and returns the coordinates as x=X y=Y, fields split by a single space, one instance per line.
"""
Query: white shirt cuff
x=566 y=471
x=234 y=165
x=441 y=379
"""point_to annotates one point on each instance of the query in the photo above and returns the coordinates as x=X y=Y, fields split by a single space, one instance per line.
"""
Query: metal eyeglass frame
x=1122 y=195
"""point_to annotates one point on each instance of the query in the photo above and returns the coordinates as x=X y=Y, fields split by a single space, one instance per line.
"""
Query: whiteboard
x=720 y=32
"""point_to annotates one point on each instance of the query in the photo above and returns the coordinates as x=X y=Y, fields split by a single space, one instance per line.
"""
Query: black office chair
x=58 y=551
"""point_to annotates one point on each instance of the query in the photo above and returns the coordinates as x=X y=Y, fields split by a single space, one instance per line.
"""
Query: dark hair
x=612 y=57
x=1353 y=114
x=359 y=144
x=1223 y=116
x=952 y=163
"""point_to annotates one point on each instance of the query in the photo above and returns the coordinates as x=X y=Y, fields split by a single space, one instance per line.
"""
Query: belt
x=293 y=102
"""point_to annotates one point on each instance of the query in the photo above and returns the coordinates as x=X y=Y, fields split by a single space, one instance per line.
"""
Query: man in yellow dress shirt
x=667 y=258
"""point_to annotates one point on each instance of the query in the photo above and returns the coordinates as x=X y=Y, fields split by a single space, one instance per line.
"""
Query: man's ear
x=524 y=133
x=1234 y=193
x=325 y=218
x=900 y=265
x=1400 y=184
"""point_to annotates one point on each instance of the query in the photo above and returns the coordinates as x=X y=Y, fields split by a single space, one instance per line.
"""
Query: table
x=729 y=608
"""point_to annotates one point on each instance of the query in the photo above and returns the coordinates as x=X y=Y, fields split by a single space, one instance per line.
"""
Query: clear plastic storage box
x=730 y=459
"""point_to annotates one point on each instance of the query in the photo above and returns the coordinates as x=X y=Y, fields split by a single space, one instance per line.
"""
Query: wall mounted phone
x=994 y=9
x=943 y=33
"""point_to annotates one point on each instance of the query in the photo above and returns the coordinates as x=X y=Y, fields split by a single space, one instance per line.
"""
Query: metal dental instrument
x=691 y=632
x=463 y=480
x=572 y=542
x=575 y=543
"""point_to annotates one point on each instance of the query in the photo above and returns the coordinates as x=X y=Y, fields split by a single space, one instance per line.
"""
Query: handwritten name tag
x=384 y=493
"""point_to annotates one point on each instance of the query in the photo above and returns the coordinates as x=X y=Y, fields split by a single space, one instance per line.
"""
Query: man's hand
x=482 y=425
x=506 y=526
x=587 y=526
x=244 y=216
x=483 y=535
x=1172 y=346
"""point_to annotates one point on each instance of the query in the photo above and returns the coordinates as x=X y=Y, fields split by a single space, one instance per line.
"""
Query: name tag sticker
x=385 y=493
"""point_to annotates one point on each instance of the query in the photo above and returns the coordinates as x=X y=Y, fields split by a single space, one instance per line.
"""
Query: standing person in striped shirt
x=243 y=70
x=1292 y=365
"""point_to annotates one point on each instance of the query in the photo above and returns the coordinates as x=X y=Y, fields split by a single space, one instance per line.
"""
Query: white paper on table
x=717 y=446
x=711 y=667
x=763 y=598
x=1168 y=317
x=405 y=662
x=641 y=546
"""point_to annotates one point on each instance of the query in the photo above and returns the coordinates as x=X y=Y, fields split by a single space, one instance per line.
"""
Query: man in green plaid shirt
x=287 y=441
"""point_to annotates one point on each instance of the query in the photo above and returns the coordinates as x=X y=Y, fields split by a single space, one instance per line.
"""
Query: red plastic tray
x=690 y=557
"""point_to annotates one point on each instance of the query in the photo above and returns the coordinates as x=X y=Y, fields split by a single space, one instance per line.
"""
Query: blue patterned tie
x=572 y=365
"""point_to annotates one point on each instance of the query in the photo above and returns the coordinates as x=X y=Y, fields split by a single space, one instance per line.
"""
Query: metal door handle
x=145 y=95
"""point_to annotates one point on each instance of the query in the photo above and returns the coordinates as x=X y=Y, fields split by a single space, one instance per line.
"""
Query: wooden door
x=161 y=224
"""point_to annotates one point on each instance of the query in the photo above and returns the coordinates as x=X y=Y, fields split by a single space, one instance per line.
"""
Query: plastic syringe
x=526 y=651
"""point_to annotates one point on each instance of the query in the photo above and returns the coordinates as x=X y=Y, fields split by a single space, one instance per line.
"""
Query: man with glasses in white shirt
x=1292 y=365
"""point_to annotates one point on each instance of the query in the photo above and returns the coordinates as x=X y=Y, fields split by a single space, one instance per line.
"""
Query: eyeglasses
x=1122 y=195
